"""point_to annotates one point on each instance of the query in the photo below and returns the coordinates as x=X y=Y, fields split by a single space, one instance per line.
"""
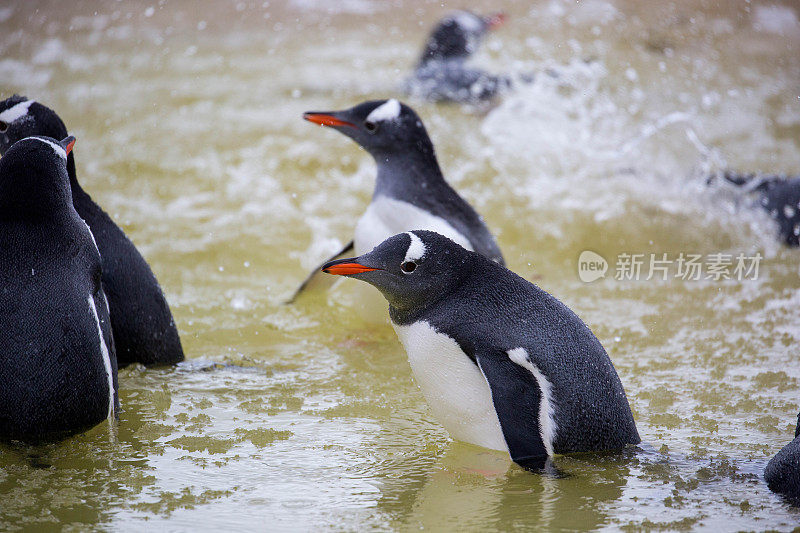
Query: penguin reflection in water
x=502 y=363
x=410 y=189
x=58 y=367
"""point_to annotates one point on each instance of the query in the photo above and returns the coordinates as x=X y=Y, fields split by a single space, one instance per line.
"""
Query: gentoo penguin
x=502 y=363
x=144 y=330
x=410 y=190
x=58 y=367
x=778 y=195
x=441 y=74
x=783 y=470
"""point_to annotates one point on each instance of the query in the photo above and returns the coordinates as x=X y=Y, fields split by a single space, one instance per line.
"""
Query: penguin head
x=33 y=177
x=20 y=118
x=412 y=269
x=458 y=35
x=381 y=127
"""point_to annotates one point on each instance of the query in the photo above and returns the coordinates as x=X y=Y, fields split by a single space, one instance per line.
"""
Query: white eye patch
x=468 y=21
x=56 y=148
x=416 y=250
x=389 y=110
x=14 y=112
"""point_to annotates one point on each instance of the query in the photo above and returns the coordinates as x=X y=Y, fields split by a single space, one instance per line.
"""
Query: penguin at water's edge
x=144 y=329
x=410 y=189
x=441 y=73
x=778 y=195
x=502 y=363
x=58 y=370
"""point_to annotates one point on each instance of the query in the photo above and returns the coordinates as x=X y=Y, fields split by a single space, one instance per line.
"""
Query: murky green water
x=306 y=417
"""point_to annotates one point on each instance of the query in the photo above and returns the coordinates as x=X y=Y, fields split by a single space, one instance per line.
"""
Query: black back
x=53 y=378
x=783 y=471
x=144 y=329
x=779 y=196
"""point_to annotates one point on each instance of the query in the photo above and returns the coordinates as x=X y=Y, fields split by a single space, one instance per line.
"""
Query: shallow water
x=297 y=417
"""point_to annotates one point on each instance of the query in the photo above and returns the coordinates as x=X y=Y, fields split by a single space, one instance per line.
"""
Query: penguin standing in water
x=441 y=74
x=783 y=471
x=410 y=190
x=502 y=363
x=144 y=330
x=777 y=195
x=58 y=367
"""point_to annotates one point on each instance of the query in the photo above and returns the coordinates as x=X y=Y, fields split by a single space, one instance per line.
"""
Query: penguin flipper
x=517 y=397
x=349 y=247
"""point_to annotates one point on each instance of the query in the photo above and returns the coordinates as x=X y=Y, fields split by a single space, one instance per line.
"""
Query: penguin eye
x=370 y=126
x=3 y=126
x=408 y=266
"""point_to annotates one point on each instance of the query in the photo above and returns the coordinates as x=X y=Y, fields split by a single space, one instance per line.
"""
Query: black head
x=33 y=178
x=458 y=35
x=381 y=127
x=20 y=118
x=413 y=270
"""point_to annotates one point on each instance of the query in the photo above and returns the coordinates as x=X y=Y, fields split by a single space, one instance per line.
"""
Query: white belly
x=454 y=387
x=386 y=217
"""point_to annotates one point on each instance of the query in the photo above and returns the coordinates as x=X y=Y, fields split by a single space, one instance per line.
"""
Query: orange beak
x=346 y=269
x=496 y=20
x=324 y=119
x=68 y=149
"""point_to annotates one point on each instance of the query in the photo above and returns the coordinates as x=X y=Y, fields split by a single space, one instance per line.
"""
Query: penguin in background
x=410 y=189
x=144 y=329
x=502 y=363
x=58 y=365
x=441 y=73
x=778 y=195
x=783 y=471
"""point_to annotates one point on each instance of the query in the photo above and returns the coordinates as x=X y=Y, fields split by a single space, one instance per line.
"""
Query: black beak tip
x=67 y=141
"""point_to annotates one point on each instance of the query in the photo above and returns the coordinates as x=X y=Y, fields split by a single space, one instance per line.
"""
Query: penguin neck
x=73 y=178
x=404 y=317
x=406 y=176
x=434 y=60
x=40 y=200
x=80 y=199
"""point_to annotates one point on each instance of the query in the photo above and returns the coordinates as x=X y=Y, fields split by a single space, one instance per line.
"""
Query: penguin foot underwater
x=779 y=196
x=410 y=189
x=144 y=330
x=502 y=363
x=783 y=471
x=58 y=365
x=441 y=74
